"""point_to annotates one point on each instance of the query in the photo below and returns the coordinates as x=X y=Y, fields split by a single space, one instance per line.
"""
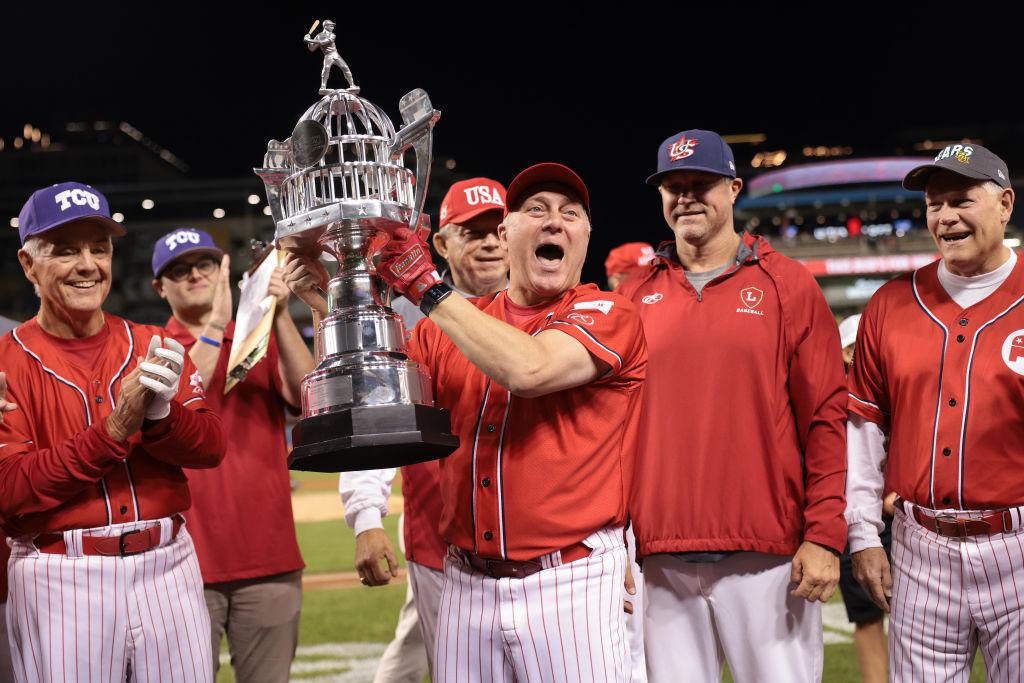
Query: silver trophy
x=339 y=184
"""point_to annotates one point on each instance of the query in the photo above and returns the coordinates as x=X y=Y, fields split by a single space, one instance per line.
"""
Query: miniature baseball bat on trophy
x=339 y=185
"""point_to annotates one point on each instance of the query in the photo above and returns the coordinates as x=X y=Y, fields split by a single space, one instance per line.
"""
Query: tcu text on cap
x=181 y=237
x=79 y=197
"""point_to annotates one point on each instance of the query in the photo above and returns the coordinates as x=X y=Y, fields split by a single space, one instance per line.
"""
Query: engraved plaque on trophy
x=339 y=185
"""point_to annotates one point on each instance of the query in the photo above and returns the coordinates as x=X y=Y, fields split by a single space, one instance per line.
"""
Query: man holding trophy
x=543 y=382
x=531 y=394
x=467 y=239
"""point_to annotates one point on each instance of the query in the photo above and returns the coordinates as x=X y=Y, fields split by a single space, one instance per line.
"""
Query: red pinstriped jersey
x=534 y=475
x=947 y=385
x=59 y=469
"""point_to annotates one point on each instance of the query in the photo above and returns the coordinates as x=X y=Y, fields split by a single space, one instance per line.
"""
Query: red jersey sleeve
x=868 y=395
x=191 y=435
x=38 y=479
x=609 y=328
x=817 y=391
x=423 y=343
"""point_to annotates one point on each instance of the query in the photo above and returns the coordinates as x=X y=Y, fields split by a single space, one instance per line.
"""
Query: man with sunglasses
x=241 y=516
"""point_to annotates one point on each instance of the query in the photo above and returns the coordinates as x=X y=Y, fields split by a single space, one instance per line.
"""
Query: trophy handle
x=419 y=117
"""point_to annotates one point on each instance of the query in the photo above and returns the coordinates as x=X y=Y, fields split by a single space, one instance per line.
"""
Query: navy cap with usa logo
x=54 y=206
x=694 y=150
x=966 y=159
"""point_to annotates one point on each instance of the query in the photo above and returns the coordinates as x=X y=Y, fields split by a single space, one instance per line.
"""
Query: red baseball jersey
x=535 y=475
x=743 y=427
x=947 y=385
x=421 y=493
x=59 y=469
x=241 y=518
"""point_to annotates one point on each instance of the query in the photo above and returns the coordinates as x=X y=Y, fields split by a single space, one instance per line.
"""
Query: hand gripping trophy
x=339 y=184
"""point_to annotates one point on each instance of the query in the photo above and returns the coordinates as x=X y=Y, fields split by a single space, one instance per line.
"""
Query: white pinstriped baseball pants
x=84 y=618
x=949 y=596
x=562 y=624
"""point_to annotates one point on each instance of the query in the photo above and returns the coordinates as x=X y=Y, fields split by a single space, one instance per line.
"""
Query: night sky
x=516 y=84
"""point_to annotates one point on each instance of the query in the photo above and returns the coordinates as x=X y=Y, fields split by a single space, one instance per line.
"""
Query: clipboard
x=254 y=319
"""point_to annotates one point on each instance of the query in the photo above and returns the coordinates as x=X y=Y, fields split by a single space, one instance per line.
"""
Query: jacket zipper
x=727 y=274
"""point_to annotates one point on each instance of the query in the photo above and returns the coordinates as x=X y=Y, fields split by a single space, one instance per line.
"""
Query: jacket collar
x=751 y=249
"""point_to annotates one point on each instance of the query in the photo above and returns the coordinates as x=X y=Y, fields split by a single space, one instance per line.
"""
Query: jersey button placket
x=488 y=508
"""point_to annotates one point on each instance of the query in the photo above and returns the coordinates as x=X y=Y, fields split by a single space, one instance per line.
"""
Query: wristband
x=211 y=342
x=433 y=296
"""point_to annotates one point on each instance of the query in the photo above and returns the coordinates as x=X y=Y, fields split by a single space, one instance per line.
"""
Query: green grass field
x=369 y=615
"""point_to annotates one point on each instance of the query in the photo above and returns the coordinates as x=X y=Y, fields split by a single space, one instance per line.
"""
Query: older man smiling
x=103 y=574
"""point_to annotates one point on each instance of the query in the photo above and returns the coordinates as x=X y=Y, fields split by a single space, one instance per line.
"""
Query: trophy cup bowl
x=339 y=185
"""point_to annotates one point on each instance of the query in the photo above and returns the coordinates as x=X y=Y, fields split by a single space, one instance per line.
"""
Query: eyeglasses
x=180 y=271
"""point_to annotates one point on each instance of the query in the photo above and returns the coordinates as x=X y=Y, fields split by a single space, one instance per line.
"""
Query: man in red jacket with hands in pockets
x=738 y=498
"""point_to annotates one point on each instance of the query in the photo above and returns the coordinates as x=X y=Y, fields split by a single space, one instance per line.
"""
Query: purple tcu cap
x=62 y=203
x=694 y=150
x=180 y=242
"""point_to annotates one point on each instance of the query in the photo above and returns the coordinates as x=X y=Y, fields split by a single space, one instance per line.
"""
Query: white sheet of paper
x=254 y=301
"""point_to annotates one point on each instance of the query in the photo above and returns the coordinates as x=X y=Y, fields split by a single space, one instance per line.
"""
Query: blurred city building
x=151 y=192
x=842 y=210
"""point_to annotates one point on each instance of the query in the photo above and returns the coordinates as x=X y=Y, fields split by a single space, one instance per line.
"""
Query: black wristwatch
x=433 y=296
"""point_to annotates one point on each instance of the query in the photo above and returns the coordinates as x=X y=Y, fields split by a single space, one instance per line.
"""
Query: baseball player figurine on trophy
x=325 y=41
x=339 y=184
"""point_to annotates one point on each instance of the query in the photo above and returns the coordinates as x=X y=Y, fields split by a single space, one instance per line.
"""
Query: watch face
x=433 y=296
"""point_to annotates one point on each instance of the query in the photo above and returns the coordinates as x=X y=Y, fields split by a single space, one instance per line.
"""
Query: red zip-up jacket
x=743 y=429
x=59 y=469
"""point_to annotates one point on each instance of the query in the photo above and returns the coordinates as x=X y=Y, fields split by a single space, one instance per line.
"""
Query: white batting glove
x=165 y=383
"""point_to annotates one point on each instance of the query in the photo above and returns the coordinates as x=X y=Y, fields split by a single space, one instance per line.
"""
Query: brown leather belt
x=520 y=569
x=129 y=543
x=993 y=522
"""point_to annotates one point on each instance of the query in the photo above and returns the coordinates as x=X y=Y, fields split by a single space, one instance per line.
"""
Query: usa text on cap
x=467 y=199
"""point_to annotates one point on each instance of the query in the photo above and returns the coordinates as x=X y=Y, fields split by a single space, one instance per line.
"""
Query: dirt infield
x=332 y=580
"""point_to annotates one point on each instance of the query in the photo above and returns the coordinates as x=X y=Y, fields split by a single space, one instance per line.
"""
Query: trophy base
x=371 y=437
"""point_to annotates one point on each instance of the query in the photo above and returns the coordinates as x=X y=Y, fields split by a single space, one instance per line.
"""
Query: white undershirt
x=967 y=291
x=865 y=441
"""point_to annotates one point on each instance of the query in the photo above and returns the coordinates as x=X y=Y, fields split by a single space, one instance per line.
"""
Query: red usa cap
x=467 y=199
x=548 y=172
